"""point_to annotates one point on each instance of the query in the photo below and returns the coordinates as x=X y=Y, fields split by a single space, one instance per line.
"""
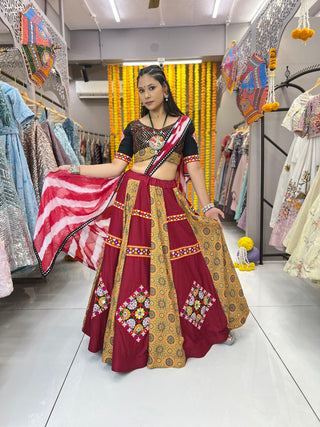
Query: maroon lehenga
x=165 y=288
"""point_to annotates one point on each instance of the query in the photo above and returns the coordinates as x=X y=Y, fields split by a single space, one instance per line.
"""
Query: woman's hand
x=62 y=168
x=214 y=214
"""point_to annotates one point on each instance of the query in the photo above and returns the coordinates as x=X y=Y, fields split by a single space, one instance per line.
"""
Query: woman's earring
x=166 y=96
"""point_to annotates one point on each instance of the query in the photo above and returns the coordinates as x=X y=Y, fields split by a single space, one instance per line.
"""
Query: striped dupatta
x=75 y=210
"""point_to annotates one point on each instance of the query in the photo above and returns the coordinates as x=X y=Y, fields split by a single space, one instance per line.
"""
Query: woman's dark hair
x=157 y=73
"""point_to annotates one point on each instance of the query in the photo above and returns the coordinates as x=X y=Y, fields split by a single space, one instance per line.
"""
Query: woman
x=165 y=288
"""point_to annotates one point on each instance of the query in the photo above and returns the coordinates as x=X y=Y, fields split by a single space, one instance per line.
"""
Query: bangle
x=75 y=169
x=207 y=207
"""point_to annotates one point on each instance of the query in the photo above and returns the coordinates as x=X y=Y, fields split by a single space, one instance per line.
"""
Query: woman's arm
x=107 y=170
x=199 y=184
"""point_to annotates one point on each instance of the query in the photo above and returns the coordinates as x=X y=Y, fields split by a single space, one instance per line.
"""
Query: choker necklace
x=157 y=141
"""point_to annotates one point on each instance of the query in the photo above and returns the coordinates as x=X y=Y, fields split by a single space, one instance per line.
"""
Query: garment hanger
x=315 y=86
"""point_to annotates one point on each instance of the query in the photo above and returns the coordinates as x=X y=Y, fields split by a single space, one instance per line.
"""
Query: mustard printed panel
x=165 y=338
x=216 y=255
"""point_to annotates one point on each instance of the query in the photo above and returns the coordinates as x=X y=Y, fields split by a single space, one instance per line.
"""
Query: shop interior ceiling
x=170 y=13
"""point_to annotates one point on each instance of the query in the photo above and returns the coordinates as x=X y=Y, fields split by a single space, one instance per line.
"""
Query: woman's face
x=150 y=92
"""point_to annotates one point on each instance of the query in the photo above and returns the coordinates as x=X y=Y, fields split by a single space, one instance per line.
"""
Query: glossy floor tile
x=231 y=386
x=268 y=378
x=36 y=350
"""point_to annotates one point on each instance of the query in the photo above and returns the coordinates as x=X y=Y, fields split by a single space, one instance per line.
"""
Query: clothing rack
x=21 y=83
x=104 y=135
x=287 y=83
x=239 y=124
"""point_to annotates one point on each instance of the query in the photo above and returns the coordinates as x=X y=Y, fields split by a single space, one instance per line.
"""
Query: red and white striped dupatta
x=75 y=211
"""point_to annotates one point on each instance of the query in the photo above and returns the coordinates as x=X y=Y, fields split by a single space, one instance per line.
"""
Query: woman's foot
x=230 y=340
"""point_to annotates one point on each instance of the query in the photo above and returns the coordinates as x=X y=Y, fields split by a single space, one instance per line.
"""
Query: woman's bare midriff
x=167 y=171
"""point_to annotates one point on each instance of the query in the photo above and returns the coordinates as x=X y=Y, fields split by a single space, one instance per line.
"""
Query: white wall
x=148 y=43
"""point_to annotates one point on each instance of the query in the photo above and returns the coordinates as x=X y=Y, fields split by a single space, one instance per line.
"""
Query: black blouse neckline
x=153 y=129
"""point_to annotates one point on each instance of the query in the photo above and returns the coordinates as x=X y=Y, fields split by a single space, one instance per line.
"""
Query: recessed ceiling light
x=215 y=9
x=114 y=10
x=166 y=62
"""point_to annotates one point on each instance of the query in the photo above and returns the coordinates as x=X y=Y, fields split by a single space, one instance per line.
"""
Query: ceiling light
x=184 y=61
x=172 y=61
x=259 y=10
x=114 y=10
x=215 y=9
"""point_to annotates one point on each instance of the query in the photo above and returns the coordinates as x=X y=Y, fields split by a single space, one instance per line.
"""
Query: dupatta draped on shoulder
x=75 y=210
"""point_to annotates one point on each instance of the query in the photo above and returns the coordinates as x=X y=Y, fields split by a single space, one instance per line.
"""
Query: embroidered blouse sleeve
x=125 y=150
x=190 y=148
x=302 y=128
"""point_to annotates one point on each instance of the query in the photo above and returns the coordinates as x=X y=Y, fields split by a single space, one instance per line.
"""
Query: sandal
x=230 y=340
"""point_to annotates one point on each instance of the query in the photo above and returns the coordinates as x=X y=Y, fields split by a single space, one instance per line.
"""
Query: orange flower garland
x=112 y=130
x=190 y=91
x=125 y=95
x=203 y=114
x=208 y=127
x=213 y=128
x=303 y=32
x=183 y=89
x=196 y=115
x=136 y=93
x=131 y=99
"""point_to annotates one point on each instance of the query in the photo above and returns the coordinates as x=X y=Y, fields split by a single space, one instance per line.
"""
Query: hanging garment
x=61 y=135
x=234 y=163
x=14 y=231
x=302 y=175
x=165 y=288
x=20 y=115
x=58 y=151
x=97 y=154
x=39 y=155
x=294 y=235
x=304 y=240
x=71 y=130
x=6 y=285
x=296 y=151
x=238 y=181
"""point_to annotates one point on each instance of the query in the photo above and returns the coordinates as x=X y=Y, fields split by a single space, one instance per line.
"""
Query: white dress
x=302 y=171
x=297 y=148
x=304 y=237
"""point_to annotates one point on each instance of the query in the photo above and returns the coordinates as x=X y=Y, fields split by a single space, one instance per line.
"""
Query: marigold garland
x=112 y=130
x=173 y=79
x=184 y=88
x=131 y=100
x=203 y=113
x=303 y=32
x=190 y=112
x=271 y=104
x=136 y=93
x=213 y=128
x=196 y=115
x=125 y=95
x=208 y=127
x=190 y=91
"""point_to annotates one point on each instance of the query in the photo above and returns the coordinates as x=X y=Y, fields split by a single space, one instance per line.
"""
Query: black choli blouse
x=136 y=136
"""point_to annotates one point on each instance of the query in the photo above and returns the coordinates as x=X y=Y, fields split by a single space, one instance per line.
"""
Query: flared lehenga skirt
x=166 y=288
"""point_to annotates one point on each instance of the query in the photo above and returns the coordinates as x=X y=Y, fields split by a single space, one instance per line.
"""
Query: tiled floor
x=270 y=377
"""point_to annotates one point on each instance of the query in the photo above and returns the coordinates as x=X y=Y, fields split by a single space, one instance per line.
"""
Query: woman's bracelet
x=207 y=207
x=75 y=169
